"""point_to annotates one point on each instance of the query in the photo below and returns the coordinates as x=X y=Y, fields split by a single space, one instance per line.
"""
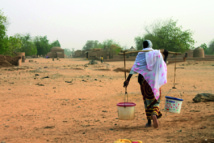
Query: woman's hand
x=126 y=83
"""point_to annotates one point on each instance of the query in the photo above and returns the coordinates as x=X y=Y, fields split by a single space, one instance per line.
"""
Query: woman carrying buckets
x=152 y=75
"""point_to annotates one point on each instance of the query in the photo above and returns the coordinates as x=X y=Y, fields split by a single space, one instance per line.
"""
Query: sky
x=73 y=22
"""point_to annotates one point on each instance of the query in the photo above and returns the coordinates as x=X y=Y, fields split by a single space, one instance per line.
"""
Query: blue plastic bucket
x=173 y=104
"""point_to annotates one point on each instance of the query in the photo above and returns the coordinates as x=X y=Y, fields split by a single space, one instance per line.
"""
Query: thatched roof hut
x=198 y=52
x=56 y=52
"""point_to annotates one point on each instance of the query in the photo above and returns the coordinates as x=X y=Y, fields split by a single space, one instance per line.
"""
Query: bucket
x=126 y=110
x=173 y=104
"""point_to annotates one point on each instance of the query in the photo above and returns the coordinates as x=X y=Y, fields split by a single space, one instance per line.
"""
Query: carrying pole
x=175 y=72
x=124 y=55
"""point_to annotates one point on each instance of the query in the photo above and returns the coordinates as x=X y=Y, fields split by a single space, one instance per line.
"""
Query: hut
x=21 y=54
x=190 y=53
x=56 y=52
x=78 y=53
x=198 y=52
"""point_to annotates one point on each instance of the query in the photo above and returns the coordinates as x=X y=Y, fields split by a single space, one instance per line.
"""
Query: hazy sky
x=73 y=22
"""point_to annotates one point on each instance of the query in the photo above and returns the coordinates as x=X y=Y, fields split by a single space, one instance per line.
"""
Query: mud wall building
x=56 y=52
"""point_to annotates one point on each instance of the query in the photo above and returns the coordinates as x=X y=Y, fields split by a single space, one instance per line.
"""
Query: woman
x=152 y=75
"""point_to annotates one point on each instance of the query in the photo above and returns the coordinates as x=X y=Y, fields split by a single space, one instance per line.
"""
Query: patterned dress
x=150 y=103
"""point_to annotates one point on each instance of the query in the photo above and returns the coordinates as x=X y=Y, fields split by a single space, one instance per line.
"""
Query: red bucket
x=126 y=110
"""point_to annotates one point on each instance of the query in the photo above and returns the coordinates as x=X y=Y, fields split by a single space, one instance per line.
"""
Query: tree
x=14 y=45
x=139 y=42
x=55 y=44
x=92 y=44
x=3 y=36
x=204 y=46
x=28 y=45
x=112 y=46
x=211 y=47
x=42 y=45
x=167 y=35
x=108 y=45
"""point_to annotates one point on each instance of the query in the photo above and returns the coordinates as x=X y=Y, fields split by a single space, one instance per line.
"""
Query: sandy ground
x=65 y=101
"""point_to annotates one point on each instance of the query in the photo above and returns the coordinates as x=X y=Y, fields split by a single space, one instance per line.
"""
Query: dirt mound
x=5 y=63
x=102 y=69
x=13 y=60
x=8 y=61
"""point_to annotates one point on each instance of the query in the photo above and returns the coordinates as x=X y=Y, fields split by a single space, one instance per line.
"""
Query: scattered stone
x=111 y=129
x=45 y=77
x=69 y=81
x=195 y=111
x=40 y=84
x=49 y=127
x=92 y=62
x=203 y=97
x=83 y=133
x=95 y=79
x=45 y=67
x=104 y=111
x=80 y=99
x=36 y=74
x=84 y=80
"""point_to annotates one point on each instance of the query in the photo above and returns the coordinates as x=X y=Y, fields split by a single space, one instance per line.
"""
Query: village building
x=56 y=52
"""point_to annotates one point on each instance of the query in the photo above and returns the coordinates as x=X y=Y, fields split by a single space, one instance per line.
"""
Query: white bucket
x=173 y=104
x=126 y=110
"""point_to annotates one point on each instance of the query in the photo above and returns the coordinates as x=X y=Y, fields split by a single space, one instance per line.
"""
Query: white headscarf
x=153 y=68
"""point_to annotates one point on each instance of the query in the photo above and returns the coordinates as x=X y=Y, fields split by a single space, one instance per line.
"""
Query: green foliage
x=27 y=45
x=167 y=35
x=3 y=37
x=109 y=45
x=42 y=45
x=23 y=43
x=55 y=44
x=139 y=42
x=204 y=46
x=14 y=45
x=90 y=44
x=211 y=48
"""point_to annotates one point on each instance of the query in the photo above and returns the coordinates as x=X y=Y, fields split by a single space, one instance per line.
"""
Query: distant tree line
x=10 y=45
x=107 y=45
x=164 y=35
